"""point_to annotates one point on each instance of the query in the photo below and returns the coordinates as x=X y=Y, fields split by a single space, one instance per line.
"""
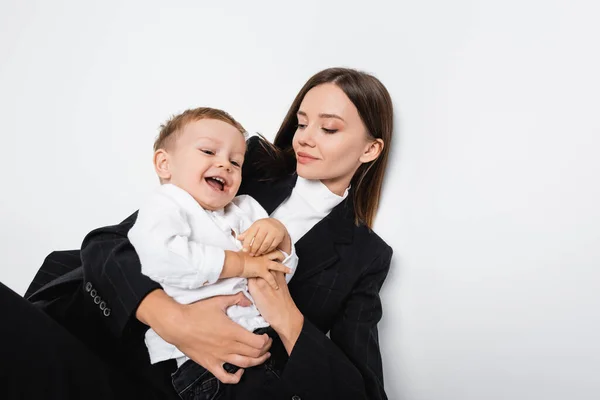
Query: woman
x=322 y=178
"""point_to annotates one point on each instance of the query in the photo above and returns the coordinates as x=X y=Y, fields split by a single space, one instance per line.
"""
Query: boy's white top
x=182 y=246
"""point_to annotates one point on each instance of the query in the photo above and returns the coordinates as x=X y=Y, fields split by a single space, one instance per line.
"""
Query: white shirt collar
x=186 y=200
x=315 y=193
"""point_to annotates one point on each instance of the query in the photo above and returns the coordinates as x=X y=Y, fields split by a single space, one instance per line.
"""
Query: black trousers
x=193 y=382
x=39 y=359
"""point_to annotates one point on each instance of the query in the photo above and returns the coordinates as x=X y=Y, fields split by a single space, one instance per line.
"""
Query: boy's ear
x=161 y=164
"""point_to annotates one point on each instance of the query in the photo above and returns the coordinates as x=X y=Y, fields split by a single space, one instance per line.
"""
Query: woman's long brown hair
x=375 y=108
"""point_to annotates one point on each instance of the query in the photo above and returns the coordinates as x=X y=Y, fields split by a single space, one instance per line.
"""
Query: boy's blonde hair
x=174 y=126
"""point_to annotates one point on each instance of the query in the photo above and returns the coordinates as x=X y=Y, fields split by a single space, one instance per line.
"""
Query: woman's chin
x=307 y=173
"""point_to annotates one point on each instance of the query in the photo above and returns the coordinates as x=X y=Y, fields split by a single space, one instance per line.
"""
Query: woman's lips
x=304 y=158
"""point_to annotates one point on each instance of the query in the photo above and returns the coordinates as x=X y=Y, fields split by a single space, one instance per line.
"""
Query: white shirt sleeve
x=290 y=261
x=162 y=238
x=249 y=208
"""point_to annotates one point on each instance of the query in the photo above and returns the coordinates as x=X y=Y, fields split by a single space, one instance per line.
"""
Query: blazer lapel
x=317 y=249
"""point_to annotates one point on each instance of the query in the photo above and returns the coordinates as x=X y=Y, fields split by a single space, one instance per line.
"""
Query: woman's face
x=331 y=141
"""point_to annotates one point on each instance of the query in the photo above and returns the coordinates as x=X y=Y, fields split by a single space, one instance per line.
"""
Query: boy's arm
x=255 y=212
x=163 y=241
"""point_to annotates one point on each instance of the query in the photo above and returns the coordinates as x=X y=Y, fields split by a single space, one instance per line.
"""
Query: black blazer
x=336 y=286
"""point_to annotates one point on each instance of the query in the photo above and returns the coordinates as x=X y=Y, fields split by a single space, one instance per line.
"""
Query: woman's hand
x=205 y=333
x=278 y=308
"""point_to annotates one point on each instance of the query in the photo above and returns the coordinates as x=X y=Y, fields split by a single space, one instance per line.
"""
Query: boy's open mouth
x=215 y=182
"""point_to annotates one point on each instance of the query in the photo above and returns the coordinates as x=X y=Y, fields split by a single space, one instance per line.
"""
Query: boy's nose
x=224 y=164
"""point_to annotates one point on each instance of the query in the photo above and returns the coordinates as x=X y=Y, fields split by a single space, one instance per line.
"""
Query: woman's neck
x=337 y=185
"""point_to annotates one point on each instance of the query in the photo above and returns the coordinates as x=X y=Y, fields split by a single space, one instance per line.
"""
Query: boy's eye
x=209 y=152
x=235 y=163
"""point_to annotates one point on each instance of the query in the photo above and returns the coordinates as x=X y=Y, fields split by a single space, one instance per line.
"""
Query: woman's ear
x=372 y=151
x=161 y=164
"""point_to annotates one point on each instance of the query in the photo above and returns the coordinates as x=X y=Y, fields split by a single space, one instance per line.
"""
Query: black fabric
x=40 y=359
x=64 y=262
x=193 y=382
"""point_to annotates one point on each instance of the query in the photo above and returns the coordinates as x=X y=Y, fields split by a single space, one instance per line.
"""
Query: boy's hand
x=261 y=266
x=263 y=236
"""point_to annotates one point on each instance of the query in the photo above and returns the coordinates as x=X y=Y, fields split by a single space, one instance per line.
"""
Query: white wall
x=491 y=202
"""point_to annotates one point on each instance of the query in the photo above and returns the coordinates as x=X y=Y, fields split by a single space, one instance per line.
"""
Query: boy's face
x=205 y=161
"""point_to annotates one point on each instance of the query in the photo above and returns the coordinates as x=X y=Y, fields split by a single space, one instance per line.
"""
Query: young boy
x=187 y=234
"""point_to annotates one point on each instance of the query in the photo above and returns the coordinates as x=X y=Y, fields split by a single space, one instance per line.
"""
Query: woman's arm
x=349 y=364
x=201 y=330
x=112 y=269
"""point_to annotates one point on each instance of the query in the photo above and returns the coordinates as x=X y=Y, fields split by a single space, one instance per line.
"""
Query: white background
x=491 y=201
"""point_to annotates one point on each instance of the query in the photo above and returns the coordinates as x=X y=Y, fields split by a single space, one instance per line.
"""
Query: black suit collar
x=340 y=221
x=317 y=248
x=275 y=192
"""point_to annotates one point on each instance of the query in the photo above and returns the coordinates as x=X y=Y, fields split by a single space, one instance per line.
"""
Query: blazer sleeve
x=112 y=272
x=347 y=366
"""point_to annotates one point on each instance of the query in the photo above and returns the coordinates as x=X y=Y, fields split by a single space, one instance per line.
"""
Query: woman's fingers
x=246 y=362
x=219 y=372
x=244 y=350
x=237 y=299
x=261 y=342
x=270 y=279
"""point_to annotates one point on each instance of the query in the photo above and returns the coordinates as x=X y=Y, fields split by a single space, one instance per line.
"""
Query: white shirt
x=309 y=203
x=182 y=247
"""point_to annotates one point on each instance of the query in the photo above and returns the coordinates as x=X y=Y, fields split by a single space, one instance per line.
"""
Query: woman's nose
x=306 y=136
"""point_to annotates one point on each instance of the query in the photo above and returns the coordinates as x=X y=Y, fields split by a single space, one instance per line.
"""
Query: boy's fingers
x=264 y=248
x=275 y=266
x=248 y=239
x=259 y=237
x=273 y=245
x=276 y=255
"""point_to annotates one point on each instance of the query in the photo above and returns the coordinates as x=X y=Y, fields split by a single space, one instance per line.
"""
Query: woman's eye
x=209 y=152
x=329 y=130
x=301 y=126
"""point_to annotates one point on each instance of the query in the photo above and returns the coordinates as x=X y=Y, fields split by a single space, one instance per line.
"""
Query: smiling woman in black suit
x=322 y=178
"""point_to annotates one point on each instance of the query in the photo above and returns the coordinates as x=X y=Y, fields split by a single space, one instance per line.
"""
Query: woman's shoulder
x=255 y=146
x=367 y=239
x=253 y=141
